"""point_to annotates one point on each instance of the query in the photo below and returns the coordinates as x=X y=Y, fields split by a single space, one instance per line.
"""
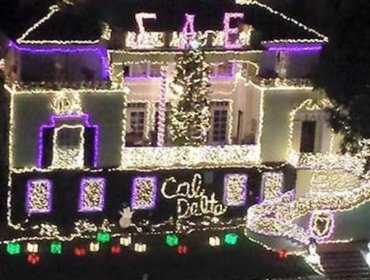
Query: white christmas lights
x=68 y=157
x=52 y=10
x=235 y=189
x=162 y=108
x=66 y=103
x=154 y=158
x=144 y=192
x=191 y=199
x=272 y=185
x=272 y=11
x=39 y=196
x=92 y=194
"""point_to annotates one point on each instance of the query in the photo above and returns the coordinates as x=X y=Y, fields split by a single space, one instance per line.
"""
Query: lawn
x=244 y=260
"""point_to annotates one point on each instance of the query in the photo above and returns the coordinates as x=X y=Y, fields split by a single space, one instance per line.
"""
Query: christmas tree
x=190 y=112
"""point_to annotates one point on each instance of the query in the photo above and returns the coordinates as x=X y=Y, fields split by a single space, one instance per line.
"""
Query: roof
x=79 y=23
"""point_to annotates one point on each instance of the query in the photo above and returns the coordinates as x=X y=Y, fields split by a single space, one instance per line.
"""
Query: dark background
x=17 y=15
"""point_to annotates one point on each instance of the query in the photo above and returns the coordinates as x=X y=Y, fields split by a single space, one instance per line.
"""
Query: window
x=308 y=137
x=38 y=197
x=139 y=70
x=69 y=145
x=92 y=191
x=223 y=69
x=142 y=70
x=226 y=68
x=137 y=123
x=144 y=192
x=235 y=189
x=69 y=137
x=154 y=70
x=281 y=64
x=219 y=125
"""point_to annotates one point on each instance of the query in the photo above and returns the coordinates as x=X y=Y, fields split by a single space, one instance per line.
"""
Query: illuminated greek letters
x=188 y=29
x=230 y=31
x=140 y=20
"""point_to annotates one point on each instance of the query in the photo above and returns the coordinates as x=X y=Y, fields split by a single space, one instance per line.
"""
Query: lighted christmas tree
x=190 y=112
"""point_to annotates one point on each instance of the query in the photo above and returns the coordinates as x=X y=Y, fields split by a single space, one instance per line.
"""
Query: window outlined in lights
x=92 y=194
x=39 y=196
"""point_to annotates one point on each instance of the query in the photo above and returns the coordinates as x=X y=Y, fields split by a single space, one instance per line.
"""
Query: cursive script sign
x=191 y=198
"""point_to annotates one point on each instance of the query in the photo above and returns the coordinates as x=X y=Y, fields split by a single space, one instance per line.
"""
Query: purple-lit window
x=68 y=138
x=56 y=58
x=223 y=69
x=92 y=195
x=142 y=71
x=39 y=196
x=144 y=192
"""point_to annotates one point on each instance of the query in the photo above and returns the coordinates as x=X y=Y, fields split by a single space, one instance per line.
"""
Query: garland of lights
x=54 y=9
x=286 y=210
x=272 y=11
x=162 y=108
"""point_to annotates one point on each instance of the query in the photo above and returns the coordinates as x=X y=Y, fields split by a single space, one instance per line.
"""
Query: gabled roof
x=75 y=24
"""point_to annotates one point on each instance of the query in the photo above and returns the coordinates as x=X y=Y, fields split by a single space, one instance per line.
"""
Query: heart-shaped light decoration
x=322 y=224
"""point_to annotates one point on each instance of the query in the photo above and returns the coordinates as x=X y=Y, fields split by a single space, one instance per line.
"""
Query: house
x=89 y=143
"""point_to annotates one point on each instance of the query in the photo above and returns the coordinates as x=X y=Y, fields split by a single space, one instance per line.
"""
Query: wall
x=67 y=67
x=277 y=106
x=33 y=110
x=299 y=64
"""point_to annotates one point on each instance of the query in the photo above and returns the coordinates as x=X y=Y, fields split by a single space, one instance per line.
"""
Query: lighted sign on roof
x=231 y=37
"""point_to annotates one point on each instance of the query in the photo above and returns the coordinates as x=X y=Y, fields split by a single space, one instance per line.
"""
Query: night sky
x=17 y=15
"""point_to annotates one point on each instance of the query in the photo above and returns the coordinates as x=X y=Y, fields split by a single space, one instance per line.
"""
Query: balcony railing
x=149 y=158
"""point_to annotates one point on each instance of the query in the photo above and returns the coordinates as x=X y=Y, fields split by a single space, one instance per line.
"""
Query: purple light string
x=100 y=207
x=52 y=120
x=295 y=47
x=142 y=78
x=103 y=53
x=135 y=187
x=29 y=208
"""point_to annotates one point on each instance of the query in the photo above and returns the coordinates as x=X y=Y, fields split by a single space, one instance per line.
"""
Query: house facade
x=89 y=144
